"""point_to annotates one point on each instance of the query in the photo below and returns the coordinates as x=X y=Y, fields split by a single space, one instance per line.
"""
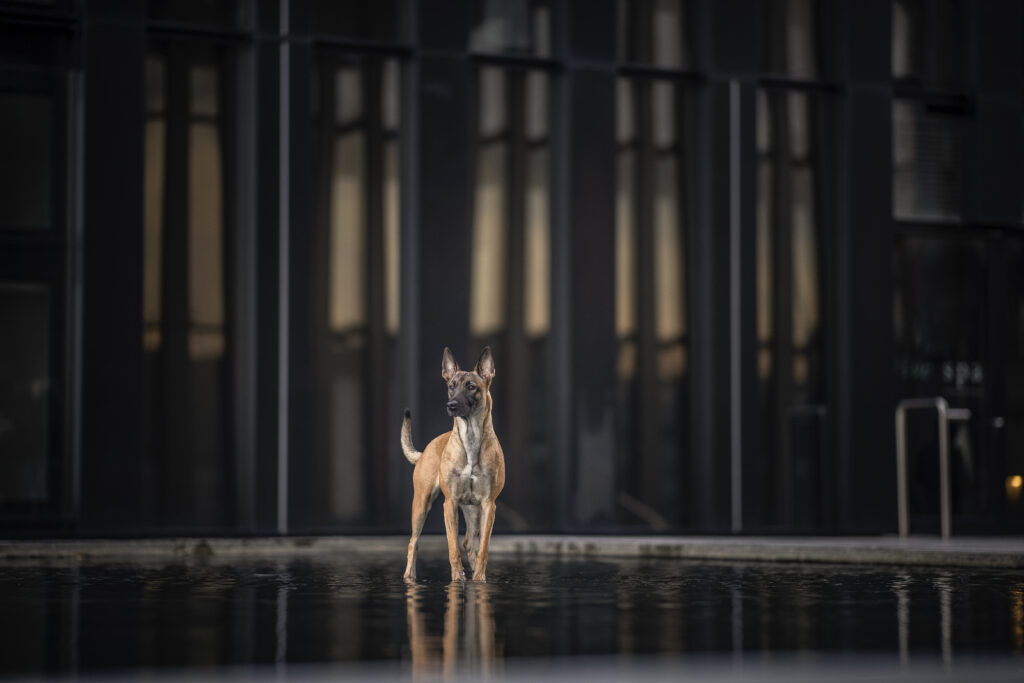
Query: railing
x=946 y=415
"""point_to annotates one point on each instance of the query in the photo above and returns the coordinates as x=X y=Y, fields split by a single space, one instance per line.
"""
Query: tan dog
x=466 y=464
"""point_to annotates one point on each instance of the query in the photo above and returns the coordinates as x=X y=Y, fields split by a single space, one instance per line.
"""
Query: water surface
x=86 y=617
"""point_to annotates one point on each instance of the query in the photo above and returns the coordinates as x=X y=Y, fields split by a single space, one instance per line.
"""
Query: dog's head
x=468 y=392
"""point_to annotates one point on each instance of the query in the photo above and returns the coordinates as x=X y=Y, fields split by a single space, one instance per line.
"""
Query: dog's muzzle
x=457 y=409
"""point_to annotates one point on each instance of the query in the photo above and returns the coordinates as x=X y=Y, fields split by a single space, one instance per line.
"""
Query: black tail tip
x=407 y=414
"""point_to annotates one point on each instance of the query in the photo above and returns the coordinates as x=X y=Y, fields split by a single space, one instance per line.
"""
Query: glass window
x=927 y=160
x=521 y=27
x=792 y=219
x=510 y=283
x=655 y=33
x=26 y=166
x=36 y=70
x=354 y=286
x=651 y=302
x=187 y=290
x=794 y=36
x=25 y=393
x=928 y=43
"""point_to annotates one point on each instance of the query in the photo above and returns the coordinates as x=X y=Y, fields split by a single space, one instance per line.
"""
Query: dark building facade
x=712 y=244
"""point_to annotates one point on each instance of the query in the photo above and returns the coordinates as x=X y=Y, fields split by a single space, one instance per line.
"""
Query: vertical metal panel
x=297 y=241
x=284 y=270
x=243 y=379
x=592 y=318
x=269 y=424
x=112 y=302
x=591 y=29
x=735 y=310
x=866 y=398
x=410 y=374
x=443 y=220
x=735 y=35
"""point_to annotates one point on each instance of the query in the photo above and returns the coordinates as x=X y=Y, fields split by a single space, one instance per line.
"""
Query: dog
x=466 y=464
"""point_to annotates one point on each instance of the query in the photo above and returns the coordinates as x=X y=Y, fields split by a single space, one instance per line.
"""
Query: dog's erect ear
x=448 y=365
x=485 y=366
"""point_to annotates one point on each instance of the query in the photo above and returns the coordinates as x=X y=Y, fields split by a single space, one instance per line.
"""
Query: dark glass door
x=958 y=312
x=35 y=386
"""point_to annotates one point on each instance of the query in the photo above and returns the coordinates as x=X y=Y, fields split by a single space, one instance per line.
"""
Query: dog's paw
x=480 y=578
x=458 y=576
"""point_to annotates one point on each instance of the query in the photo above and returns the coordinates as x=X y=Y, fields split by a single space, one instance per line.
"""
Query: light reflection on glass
x=205 y=219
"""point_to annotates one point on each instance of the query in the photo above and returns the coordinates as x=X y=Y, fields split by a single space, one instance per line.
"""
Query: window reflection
x=355 y=285
x=186 y=290
x=516 y=26
x=654 y=32
x=792 y=38
x=651 y=311
x=205 y=217
x=510 y=283
x=791 y=219
x=153 y=202
x=928 y=42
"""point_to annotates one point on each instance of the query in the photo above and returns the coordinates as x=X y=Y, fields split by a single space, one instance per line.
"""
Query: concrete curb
x=996 y=553
x=1004 y=553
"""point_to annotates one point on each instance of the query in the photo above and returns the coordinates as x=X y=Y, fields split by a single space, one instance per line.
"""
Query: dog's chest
x=470 y=435
x=466 y=481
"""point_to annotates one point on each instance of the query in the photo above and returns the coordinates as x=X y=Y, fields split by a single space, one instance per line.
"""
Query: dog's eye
x=471 y=387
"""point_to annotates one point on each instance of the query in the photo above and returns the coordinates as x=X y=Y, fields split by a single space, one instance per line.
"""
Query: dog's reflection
x=467 y=644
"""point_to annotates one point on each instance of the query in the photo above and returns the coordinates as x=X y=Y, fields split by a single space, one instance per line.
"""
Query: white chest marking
x=469 y=434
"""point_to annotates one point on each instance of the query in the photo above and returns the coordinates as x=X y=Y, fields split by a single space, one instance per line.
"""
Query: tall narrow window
x=795 y=38
x=187 y=293
x=792 y=214
x=651 y=302
x=928 y=43
x=654 y=33
x=355 y=286
x=521 y=27
x=510 y=290
x=36 y=167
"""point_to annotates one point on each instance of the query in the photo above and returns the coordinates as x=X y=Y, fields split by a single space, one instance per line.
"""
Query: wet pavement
x=351 y=615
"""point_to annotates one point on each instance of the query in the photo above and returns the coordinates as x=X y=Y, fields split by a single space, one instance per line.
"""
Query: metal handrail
x=946 y=415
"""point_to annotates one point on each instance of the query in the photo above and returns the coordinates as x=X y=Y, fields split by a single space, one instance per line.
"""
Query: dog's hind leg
x=471 y=541
x=421 y=503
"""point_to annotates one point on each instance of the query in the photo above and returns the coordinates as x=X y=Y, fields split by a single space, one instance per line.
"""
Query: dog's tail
x=411 y=454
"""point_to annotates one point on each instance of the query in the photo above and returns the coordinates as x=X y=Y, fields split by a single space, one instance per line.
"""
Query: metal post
x=943 y=410
x=901 y=471
x=945 y=415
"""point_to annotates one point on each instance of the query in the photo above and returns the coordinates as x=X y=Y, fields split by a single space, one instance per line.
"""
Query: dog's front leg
x=451 y=527
x=487 y=508
x=471 y=541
